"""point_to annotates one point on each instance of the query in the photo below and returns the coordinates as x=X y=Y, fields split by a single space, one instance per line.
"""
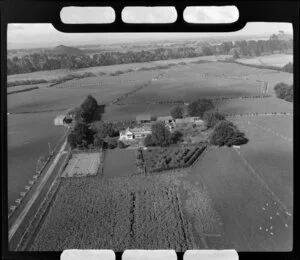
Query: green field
x=258 y=105
x=213 y=79
x=224 y=201
x=277 y=60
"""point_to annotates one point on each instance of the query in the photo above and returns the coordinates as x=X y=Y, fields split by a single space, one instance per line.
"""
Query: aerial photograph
x=150 y=140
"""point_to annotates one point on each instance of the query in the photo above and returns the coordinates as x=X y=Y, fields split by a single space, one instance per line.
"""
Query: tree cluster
x=288 y=67
x=87 y=109
x=177 y=112
x=40 y=61
x=161 y=136
x=284 y=91
x=225 y=133
x=211 y=118
x=199 y=107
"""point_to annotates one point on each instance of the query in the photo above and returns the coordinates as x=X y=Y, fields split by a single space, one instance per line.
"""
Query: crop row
x=157 y=160
x=116 y=214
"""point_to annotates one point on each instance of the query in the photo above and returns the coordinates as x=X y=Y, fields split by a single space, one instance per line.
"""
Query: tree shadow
x=100 y=110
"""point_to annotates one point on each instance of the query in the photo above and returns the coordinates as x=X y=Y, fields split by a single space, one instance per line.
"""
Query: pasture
x=257 y=105
x=28 y=132
x=277 y=60
x=270 y=152
x=119 y=162
x=251 y=216
x=82 y=164
x=135 y=212
x=66 y=97
x=212 y=79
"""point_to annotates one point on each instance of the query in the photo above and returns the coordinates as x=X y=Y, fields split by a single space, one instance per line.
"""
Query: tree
x=176 y=136
x=104 y=129
x=121 y=145
x=148 y=141
x=226 y=133
x=211 y=118
x=160 y=135
x=236 y=54
x=284 y=91
x=88 y=108
x=80 y=136
x=98 y=141
x=111 y=142
x=197 y=108
x=177 y=112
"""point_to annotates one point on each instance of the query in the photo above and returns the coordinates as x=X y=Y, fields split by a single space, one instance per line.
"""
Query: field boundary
x=38 y=173
x=32 y=228
x=257 y=176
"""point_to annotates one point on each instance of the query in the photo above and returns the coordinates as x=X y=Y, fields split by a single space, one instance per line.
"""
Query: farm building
x=59 y=120
x=188 y=120
x=135 y=133
x=143 y=119
x=165 y=119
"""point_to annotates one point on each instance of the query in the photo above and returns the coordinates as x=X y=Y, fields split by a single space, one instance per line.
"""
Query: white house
x=135 y=133
x=59 y=120
x=126 y=135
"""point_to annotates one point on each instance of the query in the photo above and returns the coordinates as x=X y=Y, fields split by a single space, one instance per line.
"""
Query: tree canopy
x=211 y=118
x=226 y=133
x=199 y=107
x=177 y=112
x=284 y=91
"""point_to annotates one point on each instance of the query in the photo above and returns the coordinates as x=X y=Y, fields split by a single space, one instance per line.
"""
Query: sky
x=45 y=35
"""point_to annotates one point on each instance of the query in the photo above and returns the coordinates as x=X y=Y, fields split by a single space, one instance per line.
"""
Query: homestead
x=135 y=133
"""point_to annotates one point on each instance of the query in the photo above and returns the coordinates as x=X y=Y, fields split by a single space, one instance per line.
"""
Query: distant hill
x=62 y=49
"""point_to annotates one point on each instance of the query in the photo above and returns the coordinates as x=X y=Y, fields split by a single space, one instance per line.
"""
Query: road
x=38 y=190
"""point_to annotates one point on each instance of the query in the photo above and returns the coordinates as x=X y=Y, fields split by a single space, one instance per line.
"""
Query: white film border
x=76 y=254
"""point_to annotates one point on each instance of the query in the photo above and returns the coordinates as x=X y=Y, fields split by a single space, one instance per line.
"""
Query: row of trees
x=194 y=109
x=161 y=136
x=284 y=91
x=47 y=61
x=50 y=61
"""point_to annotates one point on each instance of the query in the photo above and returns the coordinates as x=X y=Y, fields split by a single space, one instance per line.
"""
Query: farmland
x=157 y=160
x=224 y=200
x=211 y=79
x=135 y=212
x=82 y=164
x=119 y=163
x=24 y=136
x=277 y=60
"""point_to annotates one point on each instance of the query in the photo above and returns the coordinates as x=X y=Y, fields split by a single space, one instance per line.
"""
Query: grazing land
x=229 y=198
x=251 y=216
x=82 y=164
x=277 y=60
x=28 y=132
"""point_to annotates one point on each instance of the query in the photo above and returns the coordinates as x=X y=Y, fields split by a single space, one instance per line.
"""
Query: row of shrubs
x=21 y=90
x=170 y=159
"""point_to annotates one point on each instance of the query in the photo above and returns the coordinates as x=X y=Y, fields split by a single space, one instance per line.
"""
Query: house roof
x=140 y=129
x=143 y=117
x=60 y=117
x=163 y=118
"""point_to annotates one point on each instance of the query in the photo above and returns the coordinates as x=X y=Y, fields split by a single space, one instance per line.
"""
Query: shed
x=59 y=120
x=143 y=118
x=185 y=120
x=165 y=119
